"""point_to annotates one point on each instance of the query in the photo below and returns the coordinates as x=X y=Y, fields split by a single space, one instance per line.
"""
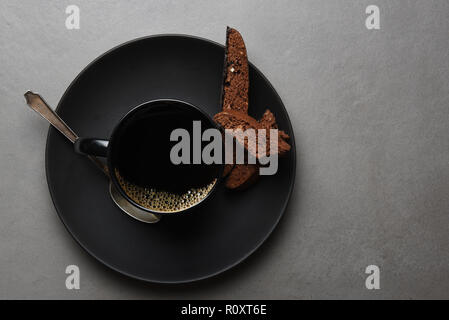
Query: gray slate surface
x=370 y=114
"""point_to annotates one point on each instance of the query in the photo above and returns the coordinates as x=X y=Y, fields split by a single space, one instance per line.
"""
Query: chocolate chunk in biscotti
x=236 y=73
x=242 y=176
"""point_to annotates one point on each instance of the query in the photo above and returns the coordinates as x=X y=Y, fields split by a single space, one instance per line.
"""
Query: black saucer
x=188 y=247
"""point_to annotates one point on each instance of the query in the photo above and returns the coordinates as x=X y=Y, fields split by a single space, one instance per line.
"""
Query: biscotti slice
x=236 y=73
x=227 y=169
x=231 y=119
x=242 y=176
x=235 y=97
x=268 y=121
x=235 y=120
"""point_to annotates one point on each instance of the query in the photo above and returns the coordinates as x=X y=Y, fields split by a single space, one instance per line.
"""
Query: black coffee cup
x=139 y=162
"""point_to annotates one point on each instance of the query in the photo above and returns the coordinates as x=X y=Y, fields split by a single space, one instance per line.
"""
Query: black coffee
x=163 y=201
x=141 y=150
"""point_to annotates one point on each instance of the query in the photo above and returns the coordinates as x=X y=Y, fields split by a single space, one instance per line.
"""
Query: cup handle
x=91 y=147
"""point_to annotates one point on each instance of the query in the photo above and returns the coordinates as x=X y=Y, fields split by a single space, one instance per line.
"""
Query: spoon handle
x=38 y=104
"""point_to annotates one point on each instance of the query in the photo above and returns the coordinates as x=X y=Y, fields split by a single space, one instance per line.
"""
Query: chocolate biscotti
x=234 y=97
x=236 y=73
x=259 y=145
x=242 y=176
x=234 y=114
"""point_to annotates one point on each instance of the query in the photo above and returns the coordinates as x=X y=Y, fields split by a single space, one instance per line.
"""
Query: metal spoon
x=38 y=104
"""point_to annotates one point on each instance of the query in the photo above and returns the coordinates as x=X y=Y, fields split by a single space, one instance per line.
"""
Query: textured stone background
x=371 y=120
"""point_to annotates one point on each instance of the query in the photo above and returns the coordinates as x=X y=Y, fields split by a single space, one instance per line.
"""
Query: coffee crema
x=163 y=201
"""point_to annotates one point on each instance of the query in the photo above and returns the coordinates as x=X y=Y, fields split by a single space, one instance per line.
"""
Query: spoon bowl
x=38 y=104
x=129 y=209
